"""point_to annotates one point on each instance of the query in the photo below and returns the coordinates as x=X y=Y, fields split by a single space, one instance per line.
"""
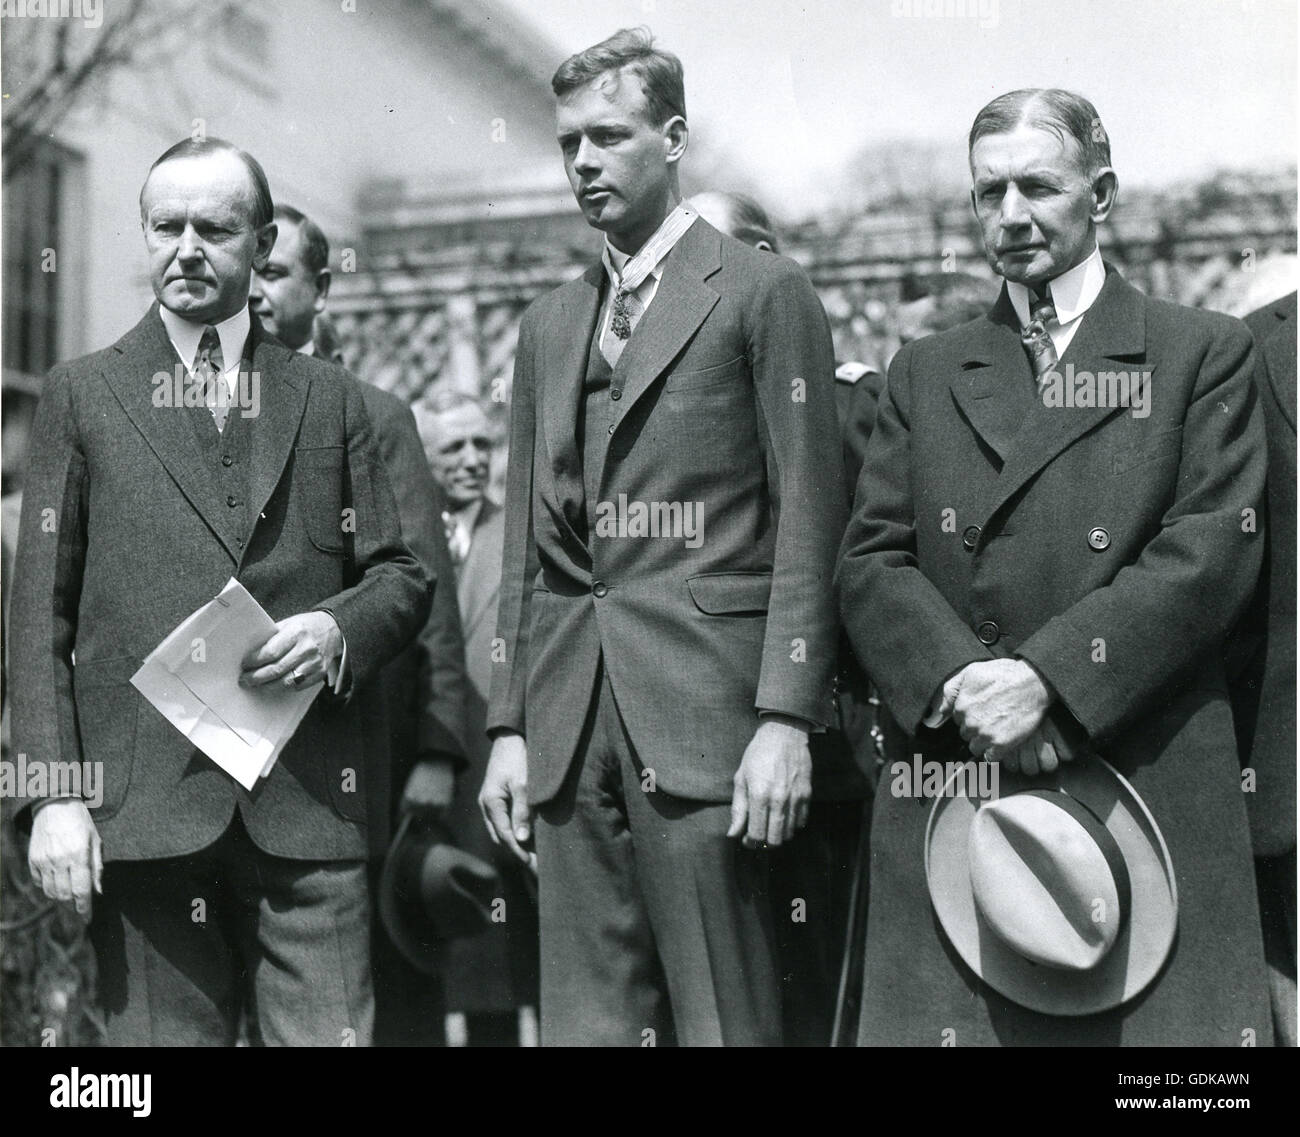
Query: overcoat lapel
x=989 y=385
x=283 y=394
x=1112 y=337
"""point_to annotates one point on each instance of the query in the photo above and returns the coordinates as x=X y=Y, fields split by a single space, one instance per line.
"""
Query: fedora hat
x=1058 y=892
x=431 y=892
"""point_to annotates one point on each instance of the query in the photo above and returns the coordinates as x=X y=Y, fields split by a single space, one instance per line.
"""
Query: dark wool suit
x=638 y=662
x=1112 y=553
x=135 y=515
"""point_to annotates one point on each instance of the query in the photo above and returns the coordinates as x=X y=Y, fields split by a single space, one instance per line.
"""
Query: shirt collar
x=309 y=348
x=1072 y=292
x=185 y=335
x=615 y=262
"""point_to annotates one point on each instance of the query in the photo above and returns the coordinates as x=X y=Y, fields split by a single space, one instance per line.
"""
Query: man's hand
x=431 y=786
x=299 y=653
x=504 y=797
x=773 y=784
x=999 y=705
x=65 y=856
x=1044 y=751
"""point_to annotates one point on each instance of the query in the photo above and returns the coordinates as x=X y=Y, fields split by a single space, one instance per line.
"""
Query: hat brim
x=1144 y=941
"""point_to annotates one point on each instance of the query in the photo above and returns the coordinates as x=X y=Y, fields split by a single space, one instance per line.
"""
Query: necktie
x=627 y=310
x=210 y=365
x=1034 y=338
x=458 y=539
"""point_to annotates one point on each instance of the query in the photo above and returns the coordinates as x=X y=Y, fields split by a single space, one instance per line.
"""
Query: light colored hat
x=1058 y=892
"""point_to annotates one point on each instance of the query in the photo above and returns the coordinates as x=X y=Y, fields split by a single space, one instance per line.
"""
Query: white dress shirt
x=233 y=334
x=615 y=262
x=1072 y=295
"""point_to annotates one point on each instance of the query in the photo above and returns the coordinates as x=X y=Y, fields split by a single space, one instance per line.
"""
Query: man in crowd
x=215 y=899
x=1031 y=580
x=491 y=978
x=414 y=708
x=667 y=632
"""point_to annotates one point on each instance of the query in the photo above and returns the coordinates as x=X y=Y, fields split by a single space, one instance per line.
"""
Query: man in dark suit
x=666 y=627
x=138 y=509
x=1264 y=697
x=491 y=977
x=415 y=707
x=1038 y=578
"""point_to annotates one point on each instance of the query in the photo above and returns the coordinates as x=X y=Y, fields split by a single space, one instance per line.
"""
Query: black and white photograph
x=649 y=523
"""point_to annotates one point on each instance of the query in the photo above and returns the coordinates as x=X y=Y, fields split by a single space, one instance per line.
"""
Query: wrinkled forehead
x=459 y=423
x=209 y=182
x=1032 y=147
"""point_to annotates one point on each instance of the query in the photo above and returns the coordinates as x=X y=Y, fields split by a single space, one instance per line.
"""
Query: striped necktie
x=210 y=366
x=1034 y=337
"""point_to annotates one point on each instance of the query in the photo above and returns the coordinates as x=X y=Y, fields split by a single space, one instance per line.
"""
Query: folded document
x=192 y=678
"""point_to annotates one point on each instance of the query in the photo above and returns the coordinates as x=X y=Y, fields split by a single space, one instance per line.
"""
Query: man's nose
x=189 y=247
x=1015 y=209
x=584 y=161
x=254 y=287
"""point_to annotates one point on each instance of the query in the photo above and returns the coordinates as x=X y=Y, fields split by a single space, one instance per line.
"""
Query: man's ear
x=322 y=289
x=1105 y=188
x=265 y=243
x=676 y=137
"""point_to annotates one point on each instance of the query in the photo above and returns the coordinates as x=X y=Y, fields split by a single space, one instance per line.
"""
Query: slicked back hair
x=1064 y=113
x=315 y=245
x=631 y=49
x=262 y=205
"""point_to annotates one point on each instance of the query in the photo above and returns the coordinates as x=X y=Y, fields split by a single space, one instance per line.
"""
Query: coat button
x=230 y=500
x=611 y=428
x=1099 y=539
x=970 y=537
x=616 y=393
x=227 y=460
x=599 y=588
x=988 y=632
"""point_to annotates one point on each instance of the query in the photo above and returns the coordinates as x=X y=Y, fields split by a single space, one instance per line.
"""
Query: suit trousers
x=655 y=927
x=187 y=945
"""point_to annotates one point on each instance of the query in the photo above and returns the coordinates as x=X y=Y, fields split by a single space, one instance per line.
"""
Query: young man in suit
x=139 y=507
x=415 y=707
x=1029 y=562
x=666 y=626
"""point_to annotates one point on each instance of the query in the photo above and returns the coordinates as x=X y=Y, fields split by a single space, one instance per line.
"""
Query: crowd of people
x=778 y=702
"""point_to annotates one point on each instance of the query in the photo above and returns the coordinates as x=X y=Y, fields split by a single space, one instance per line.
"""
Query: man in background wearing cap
x=1033 y=581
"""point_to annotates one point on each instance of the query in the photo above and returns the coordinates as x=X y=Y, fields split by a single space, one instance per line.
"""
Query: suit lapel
x=680 y=306
x=283 y=394
x=1111 y=337
x=477 y=579
x=564 y=365
x=146 y=351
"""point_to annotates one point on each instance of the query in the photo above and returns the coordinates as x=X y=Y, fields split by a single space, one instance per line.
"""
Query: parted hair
x=1062 y=112
x=632 y=49
x=263 y=206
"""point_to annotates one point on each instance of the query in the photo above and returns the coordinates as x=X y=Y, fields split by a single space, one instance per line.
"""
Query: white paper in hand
x=192 y=678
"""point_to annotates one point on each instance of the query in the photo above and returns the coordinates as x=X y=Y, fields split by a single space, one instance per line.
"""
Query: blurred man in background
x=414 y=710
x=491 y=978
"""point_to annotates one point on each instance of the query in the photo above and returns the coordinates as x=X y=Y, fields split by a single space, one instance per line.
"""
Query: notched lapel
x=283 y=393
x=145 y=352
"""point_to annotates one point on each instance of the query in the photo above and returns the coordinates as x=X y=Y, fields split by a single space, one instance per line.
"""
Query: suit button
x=970 y=537
x=230 y=500
x=1099 y=539
x=227 y=460
x=611 y=428
x=616 y=393
x=988 y=632
x=599 y=589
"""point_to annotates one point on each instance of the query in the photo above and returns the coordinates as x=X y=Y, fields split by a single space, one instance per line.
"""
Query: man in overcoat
x=1042 y=565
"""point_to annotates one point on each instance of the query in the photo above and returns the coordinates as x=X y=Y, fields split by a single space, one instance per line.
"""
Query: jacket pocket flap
x=721 y=592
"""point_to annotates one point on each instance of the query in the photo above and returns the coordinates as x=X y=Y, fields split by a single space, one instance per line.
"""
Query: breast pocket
x=705 y=378
x=318 y=477
x=1166 y=445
